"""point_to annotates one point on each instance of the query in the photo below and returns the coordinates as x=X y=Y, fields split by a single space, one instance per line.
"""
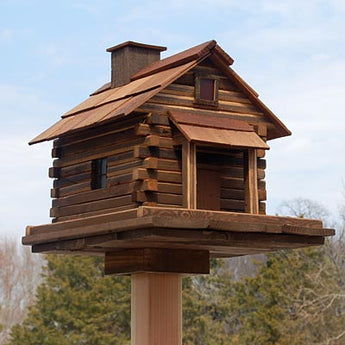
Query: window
x=206 y=91
x=99 y=173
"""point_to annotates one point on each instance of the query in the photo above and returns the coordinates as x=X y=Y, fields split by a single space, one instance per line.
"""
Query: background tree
x=20 y=273
x=296 y=296
x=293 y=297
x=76 y=304
x=203 y=307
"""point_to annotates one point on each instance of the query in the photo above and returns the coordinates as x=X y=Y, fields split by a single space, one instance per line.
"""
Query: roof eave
x=221 y=62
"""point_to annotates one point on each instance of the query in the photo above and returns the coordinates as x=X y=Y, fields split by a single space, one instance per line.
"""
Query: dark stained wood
x=159 y=152
x=180 y=187
x=215 y=121
x=162 y=164
x=157 y=260
x=158 y=197
x=219 y=244
x=88 y=230
x=74 y=189
x=30 y=230
x=145 y=129
x=157 y=119
x=171 y=188
x=142 y=129
x=232 y=107
x=54 y=172
x=236 y=217
x=208 y=189
x=292 y=229
x=202 y=239
x=160 y=175
x=152 y=140
x=98 y=152
x=188 y=55
x=72 y=180
x=91 y=206
x=99 y=142
x=187 y=218
x=101 y=130
x=104 y=193
x=122 y=167
x=232 y=205
x=75 y=169
x=85 y=215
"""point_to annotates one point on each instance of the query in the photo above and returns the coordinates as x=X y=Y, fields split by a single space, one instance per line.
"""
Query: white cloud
x=6 y=34
x=53 y=53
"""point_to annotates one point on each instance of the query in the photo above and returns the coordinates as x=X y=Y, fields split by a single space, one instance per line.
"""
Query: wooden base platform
x=219 y=234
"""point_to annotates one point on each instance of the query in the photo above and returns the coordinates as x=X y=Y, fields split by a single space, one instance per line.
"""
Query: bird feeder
x=159 y=170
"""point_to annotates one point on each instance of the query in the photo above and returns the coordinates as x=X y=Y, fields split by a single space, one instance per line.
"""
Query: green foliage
x=77 y=305
x=293 y=299
x=1 y=327
x=203 y=311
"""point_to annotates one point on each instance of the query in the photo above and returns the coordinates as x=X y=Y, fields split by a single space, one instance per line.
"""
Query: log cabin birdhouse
x=159 y=170
x=164 y=167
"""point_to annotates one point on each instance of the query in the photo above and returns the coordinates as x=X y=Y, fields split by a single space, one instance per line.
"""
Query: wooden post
x=156 y=309
x=251 y=182
x=189 y=178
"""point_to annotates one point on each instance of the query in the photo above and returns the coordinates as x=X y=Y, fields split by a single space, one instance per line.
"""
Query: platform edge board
x=167 y=218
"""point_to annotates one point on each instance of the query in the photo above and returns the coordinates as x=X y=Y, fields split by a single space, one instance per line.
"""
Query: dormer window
x=206 y=91
x=99 y=173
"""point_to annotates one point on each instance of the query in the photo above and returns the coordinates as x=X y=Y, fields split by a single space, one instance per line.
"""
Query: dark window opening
x=208 y=191
x=99 y=173
x=207 y=89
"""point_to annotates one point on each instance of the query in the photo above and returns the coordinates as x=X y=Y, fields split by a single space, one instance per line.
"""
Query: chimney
x=129 y=58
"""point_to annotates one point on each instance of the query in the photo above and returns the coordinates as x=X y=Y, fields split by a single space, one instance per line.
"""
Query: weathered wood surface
x=231 y=100
x=161 y=160
x=219 y=244
x=218 y=232
x=125 y=207
x=251 y=182
x=189 y=175
x=157 y=260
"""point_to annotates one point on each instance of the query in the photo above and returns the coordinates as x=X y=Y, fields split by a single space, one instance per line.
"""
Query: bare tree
x=20 y=273
x=321 y=300
x=304 y=208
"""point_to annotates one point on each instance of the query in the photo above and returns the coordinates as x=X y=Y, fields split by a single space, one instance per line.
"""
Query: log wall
x=143 y=162
x=72 y=194
x=162 y=166
x=232 y=103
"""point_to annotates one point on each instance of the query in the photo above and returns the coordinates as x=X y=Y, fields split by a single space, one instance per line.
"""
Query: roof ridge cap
x=177 y=59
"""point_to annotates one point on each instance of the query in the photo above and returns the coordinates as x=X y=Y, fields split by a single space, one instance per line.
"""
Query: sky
x=292 y=52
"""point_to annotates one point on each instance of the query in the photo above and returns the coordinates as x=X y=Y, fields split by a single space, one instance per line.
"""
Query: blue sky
x=291 y=52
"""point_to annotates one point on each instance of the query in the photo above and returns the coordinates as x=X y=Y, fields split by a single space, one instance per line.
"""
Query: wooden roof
x=108 y=104
x=217 y=130
x=112 y=103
